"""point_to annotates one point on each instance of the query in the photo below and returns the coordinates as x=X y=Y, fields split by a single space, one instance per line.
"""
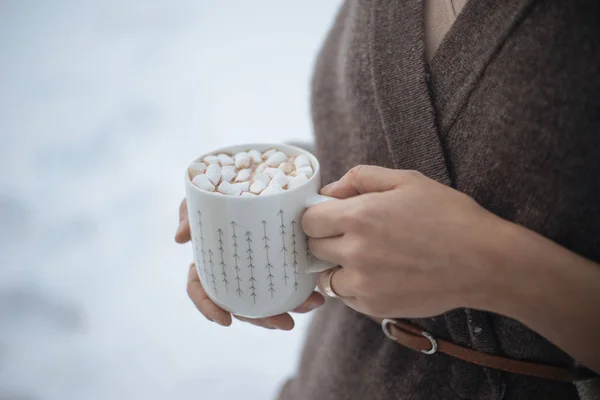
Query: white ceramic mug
x=250 y=252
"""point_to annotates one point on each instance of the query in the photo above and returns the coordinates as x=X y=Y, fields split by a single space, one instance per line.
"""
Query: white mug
x=250 y=252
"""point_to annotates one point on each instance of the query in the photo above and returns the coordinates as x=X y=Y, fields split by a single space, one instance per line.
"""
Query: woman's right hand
x=215 y=313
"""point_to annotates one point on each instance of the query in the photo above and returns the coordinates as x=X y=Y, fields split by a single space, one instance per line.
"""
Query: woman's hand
x=411 y=247
x=215 y=313
x=408 y=245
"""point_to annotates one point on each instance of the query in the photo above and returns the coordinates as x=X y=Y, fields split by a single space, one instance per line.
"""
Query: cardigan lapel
x=419 y=103
x=401 y=93
x=477 y=34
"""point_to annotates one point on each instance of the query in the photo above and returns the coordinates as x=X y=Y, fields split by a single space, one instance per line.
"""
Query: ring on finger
x=327 y=284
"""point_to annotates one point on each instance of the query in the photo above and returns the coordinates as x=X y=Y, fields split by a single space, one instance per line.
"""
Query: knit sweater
x=508 y=112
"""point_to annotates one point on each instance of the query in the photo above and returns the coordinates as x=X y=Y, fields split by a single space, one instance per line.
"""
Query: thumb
x=365 y=179
x=183 y=230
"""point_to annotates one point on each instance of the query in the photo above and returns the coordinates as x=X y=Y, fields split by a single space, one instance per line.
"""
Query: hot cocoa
x=250 y=173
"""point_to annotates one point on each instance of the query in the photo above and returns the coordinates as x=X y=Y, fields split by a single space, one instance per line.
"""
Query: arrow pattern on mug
x=295 y=254
x=291 y=249
x=268 y=266
x=236 y=260
x=222 y=263
x=251 y=281
x=283 y=248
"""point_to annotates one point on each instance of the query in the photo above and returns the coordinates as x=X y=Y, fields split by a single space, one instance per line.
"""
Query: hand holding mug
x=408 y=246
x=251 y=256
x=215 y=313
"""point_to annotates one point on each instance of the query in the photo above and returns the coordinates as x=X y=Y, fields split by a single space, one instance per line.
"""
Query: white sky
x=102 y=104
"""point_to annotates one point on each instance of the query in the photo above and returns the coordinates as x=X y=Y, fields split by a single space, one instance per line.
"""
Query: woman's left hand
x=407 y=245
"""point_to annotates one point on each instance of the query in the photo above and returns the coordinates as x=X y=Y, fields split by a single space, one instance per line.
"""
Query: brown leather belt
x=419 y=340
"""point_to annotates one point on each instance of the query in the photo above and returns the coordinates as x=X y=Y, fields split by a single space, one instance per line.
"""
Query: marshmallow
x=296 y=181
x=227 y=175
x=271 y=172
x=287 y=167
x=276 y=159
x=242 y=160
x=225 y=159
x=203 y=183
x=248 y=194
x=243 y=175
x=251 y=172
x=268 y=153
x=308 y=171
x=255 y=155
x=261 y=168
x=228 y=188
x=272 y=189
x=279 y=179
x=275 y=186
x=301 y=161
x=262 y=177
x=213 y=172
x=211 y=160
x=243 y=186
x=196 y=169
x=258 y=186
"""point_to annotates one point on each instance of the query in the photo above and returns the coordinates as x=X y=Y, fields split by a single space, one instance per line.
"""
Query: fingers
x=282 y=321
x=315 y=300
x=203 y=303
x=367 y=179
x=285 y=321
x=324 y=219
x=329 y=249
x=330 y=218
x=216 y=314
x=183 y=230
x=339 y=281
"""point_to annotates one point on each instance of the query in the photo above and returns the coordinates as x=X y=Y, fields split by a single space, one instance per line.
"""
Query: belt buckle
x=385 y=327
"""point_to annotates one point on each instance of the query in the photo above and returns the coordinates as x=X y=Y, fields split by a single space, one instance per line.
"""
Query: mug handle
x=319 y=265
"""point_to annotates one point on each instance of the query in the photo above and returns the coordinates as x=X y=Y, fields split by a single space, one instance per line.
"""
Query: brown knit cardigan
x=507 y=111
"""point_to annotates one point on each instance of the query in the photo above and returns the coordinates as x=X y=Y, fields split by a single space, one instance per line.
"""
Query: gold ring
x=327 y=285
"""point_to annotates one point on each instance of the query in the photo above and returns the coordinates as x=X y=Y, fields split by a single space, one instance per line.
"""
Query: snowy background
x=102 y=104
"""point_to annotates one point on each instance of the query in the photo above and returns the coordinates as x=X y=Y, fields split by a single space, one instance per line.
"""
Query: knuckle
x=364 y=212
x=359 y=217
x=411 y=174
x=305 y=222
x=355 y=175
x=353 y=255
x=357 y=253
x=357 y=170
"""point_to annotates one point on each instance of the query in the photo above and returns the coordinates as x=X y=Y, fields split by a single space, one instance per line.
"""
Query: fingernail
x=328 y=187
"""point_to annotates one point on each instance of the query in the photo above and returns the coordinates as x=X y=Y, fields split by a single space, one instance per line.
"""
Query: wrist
x=502 y=269
x=524 y=272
